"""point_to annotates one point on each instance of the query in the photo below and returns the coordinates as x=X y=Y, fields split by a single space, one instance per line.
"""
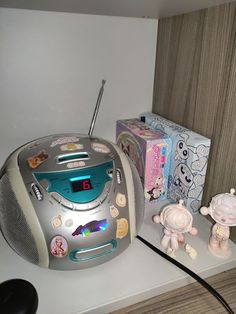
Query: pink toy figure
x=223 y=210
x=177 y=220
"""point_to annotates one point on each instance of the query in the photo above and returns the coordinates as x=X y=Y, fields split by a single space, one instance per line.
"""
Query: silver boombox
x=69 y=201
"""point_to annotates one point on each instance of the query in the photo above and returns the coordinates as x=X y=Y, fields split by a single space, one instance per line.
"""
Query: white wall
x=52 y=65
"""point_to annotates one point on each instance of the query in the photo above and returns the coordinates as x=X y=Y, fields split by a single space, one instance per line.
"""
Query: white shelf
x=135 y=275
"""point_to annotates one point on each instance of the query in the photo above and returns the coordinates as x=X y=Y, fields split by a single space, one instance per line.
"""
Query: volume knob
x=37 y=192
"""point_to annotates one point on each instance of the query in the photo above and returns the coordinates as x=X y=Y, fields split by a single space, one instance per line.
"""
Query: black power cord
x=189 y=272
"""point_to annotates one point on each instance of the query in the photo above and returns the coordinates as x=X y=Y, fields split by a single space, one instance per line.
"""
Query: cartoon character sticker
x=59 y=246
x=71 y=147
x=36 y=160
x=122 y=228
x=75 y=164
x=114 y=211
x=100 y=148
x=64 y=140
x=57 y=222
x=121 y=200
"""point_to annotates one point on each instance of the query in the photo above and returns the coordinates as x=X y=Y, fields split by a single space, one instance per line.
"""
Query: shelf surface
x=135 y=275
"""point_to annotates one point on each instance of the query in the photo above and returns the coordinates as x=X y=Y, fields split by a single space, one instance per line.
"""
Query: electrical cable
x=189 y=272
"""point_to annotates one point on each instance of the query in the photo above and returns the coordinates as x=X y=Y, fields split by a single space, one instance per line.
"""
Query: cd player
x=69 y=201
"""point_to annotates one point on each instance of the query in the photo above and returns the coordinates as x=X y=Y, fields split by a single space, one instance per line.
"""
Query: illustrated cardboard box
x=150 y=152
x=190 y=153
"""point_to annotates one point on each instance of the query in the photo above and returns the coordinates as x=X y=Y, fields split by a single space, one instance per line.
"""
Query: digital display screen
x=81 y=185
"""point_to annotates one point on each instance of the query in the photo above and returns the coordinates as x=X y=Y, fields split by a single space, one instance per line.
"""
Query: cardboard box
x=190 y=153
x=150 y=152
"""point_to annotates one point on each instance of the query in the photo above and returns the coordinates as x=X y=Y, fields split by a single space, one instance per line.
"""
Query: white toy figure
x=223 y=210
x=176 y=220
x=192 y=253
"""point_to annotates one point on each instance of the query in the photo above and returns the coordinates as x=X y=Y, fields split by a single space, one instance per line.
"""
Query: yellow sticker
x=121 y=199
x=101 y=148
x=75 y=164
x=122 y=228
x=71 y=147
x=114 y=211
x=56 y=221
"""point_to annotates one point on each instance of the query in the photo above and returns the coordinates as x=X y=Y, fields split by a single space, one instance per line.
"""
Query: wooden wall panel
x=195 y=84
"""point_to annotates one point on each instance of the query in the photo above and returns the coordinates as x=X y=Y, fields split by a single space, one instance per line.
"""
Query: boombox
x=70 y=201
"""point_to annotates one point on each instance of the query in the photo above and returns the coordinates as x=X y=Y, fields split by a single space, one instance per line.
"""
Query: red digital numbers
x=86 y=185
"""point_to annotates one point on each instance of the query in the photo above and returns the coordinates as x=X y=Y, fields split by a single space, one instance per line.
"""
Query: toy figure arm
x=193 y=231
x=204 y=210
x=156 y=219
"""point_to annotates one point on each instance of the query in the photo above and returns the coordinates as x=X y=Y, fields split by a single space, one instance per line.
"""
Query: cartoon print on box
x=140 y=129
x=131 y=148
x=189 y=161
x=156 y=190
x=150 y=152
x=154 y=179
x=183 y=150
x=187 y=182
x=223 y=211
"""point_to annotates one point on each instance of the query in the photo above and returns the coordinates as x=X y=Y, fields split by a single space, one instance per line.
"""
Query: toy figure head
x=222 y=209
x=176 y=218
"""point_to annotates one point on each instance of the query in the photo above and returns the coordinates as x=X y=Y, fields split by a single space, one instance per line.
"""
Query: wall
x=195 y=84
x=52 y=65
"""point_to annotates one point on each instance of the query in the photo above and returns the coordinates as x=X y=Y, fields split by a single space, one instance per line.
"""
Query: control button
x=37 y=192
x=118 y=176
x=56 y=196
x=44 y=183
x=121 y=200
x=110 y=173
x=105 y=192
x=67 y=203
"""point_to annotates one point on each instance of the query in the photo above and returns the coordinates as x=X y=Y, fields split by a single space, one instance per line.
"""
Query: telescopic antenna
x=96 y=109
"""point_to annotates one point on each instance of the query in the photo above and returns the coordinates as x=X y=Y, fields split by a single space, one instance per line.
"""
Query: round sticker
x=69 y=223
x=101 y=148
x=59 y=246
